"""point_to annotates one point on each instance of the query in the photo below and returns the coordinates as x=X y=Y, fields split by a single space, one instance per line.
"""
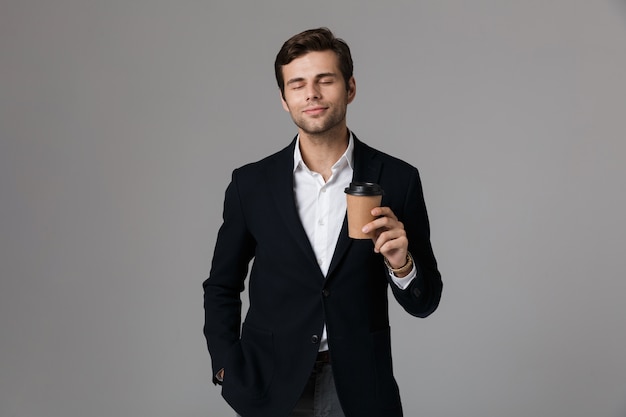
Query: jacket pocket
x=250 y=365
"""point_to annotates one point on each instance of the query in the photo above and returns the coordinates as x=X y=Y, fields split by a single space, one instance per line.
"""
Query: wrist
x=403 y=270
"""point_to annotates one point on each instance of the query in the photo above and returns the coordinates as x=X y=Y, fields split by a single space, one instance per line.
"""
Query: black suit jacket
x=268 y=360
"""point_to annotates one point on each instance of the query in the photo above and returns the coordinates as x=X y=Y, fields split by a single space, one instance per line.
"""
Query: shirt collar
x=347 y=156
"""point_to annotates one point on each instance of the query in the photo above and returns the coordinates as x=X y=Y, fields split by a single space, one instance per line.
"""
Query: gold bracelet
x=403 y=269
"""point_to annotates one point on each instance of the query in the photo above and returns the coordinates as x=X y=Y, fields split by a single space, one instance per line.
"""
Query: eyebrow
x=317 y=77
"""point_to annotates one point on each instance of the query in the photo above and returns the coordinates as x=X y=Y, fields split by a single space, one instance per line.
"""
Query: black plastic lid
x=364 y=189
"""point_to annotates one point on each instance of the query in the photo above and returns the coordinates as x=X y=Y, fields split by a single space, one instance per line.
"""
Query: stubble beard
x=321 y=126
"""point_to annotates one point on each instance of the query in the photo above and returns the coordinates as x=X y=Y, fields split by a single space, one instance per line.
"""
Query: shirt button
x=315 y=338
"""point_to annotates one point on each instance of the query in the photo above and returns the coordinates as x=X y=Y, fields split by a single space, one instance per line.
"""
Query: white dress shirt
x=322 y=208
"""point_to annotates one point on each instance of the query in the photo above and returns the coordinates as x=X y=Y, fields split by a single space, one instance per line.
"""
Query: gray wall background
x=121 y=121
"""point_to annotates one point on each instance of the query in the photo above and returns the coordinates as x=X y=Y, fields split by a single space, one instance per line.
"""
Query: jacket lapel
x=281 y=174
x=367 y=168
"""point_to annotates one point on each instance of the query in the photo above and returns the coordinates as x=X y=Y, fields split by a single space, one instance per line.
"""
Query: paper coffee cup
x=361 y=198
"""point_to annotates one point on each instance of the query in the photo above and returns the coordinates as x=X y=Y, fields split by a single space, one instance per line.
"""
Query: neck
x=320 y=152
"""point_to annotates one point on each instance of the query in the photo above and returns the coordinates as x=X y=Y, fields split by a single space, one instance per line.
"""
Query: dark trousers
x=319 y=398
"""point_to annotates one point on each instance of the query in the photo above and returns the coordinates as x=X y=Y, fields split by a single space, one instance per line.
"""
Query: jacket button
x=325 y=292
x=315 y=339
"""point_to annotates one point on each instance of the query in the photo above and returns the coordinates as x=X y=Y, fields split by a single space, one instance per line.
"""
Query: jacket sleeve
x=234 y=249
x=422 y=296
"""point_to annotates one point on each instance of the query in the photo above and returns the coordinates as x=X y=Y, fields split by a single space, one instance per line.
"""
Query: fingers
x=390 y=237
x=389 y=241
x=383 y=211
x=385 y=219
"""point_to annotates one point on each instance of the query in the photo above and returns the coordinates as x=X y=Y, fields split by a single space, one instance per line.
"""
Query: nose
x=313 y=93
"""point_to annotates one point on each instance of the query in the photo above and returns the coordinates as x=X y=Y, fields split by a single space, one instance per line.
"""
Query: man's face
x=315 y=93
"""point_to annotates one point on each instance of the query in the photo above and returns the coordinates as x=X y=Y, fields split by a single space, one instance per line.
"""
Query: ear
x=351 y=89
x=283 y=102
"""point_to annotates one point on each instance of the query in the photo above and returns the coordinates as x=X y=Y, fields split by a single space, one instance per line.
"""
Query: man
x=316 y=337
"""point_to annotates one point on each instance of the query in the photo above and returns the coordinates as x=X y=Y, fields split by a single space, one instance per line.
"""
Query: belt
x=323 y=357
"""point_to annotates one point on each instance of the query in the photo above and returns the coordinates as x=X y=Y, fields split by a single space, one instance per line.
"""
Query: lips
x=314 y=111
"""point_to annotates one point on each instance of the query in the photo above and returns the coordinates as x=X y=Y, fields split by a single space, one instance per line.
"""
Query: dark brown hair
x=321 y=39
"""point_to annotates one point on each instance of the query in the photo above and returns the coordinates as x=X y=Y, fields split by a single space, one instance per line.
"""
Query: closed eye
x=295 y=83
x=326 y=79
